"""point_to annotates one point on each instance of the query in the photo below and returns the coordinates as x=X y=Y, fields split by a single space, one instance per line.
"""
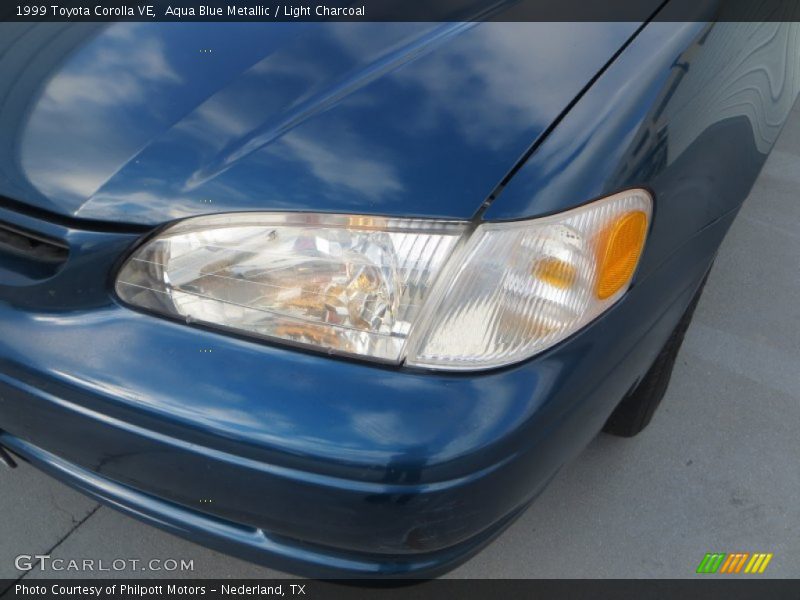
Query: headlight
x=394 y=289
x=347 y=284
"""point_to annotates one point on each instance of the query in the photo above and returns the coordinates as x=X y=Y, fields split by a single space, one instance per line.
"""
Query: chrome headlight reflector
x=391 y=289
x=347 y=284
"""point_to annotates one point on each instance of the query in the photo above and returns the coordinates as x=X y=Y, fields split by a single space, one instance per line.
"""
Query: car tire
x=636 y=409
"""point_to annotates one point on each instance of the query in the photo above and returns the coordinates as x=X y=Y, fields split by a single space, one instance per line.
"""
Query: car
x=342 y=298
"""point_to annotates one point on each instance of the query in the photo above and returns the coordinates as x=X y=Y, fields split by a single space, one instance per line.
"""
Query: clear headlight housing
x=420 y=290
x=349 y=284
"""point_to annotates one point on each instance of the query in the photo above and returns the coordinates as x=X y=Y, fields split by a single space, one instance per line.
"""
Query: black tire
x=636 y=409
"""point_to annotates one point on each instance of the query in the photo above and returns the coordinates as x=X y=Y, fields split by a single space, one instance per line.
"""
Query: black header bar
x=398 y=10
x=705 y=587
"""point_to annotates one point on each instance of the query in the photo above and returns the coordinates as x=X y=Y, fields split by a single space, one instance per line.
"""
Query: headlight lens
x=348 y=284
x=371 y=286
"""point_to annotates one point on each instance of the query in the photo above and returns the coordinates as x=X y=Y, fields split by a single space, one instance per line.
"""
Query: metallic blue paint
x=137 y=124
x=689 y=111
x=335 y=467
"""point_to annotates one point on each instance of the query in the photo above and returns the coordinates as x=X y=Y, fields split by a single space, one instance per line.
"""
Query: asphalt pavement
x=717 y=469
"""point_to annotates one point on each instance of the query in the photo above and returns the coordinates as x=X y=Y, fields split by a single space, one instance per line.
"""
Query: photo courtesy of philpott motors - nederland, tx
x=124 y=589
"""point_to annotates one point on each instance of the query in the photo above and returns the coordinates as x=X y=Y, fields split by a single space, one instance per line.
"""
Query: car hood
x=143 y=123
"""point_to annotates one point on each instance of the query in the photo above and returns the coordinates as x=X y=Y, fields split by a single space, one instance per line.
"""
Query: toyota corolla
x=342 y=298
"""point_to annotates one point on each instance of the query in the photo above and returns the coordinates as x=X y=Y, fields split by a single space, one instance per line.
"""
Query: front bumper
x=307 y=463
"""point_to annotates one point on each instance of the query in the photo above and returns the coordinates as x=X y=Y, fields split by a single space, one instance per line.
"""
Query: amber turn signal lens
x=556 y=272
x=619 y=251
x=516 y=288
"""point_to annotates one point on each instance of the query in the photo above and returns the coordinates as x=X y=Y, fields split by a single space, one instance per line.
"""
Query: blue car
x=342 y=298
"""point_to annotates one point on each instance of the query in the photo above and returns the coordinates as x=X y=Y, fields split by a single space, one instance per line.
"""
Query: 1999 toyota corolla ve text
x=342 y=298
